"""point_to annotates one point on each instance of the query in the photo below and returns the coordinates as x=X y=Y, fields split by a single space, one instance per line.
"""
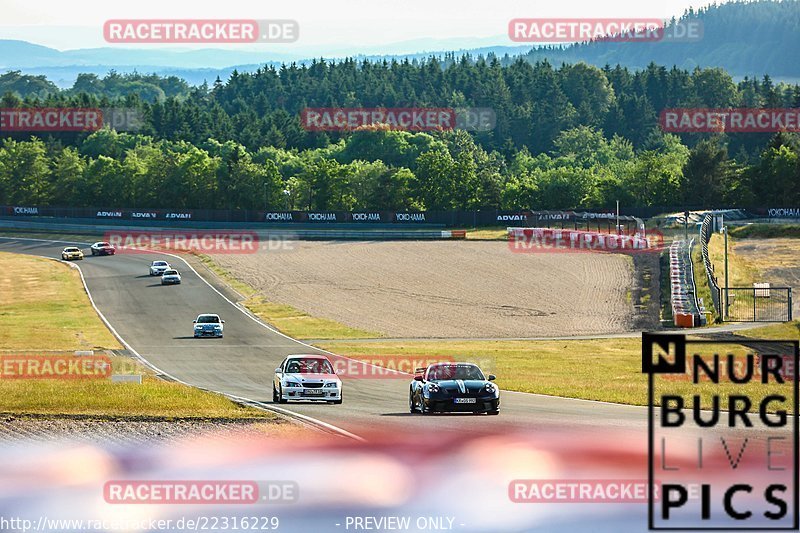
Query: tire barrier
x=687 y=309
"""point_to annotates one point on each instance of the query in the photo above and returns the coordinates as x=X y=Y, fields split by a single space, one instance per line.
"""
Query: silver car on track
x=306 y=378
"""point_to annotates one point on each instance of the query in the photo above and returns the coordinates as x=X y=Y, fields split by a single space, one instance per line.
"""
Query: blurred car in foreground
x=306 y=377
x=158 y=267
x=208 y=325
x=170 y=277
x=103 y=248
x=453 y=388
x=71 y=252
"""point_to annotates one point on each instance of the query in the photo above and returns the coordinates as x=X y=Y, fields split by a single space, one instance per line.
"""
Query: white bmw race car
x=158 y=267
x=306 y=377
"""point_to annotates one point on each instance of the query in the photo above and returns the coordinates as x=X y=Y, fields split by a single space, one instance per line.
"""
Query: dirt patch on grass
x=449 y=289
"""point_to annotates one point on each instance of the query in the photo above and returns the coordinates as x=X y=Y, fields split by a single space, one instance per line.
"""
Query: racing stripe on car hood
x=461 y=387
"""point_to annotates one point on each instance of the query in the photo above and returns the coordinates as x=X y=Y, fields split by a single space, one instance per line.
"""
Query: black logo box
x=678 y=366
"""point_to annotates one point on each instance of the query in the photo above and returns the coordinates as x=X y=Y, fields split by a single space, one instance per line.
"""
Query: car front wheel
x=281 y=399
x=411 y=407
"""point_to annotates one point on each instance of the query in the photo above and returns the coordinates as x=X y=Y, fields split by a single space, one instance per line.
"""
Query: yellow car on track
x=71 y=252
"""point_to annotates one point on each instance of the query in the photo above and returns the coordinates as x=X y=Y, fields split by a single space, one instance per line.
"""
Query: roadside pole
x=727 y=292
x=686 y=225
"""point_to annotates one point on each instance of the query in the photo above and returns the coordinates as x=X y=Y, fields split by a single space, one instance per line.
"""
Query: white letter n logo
x=663 y=354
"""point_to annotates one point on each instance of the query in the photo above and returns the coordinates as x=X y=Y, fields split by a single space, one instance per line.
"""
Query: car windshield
x=102 y=244
x=71 y=250
x=309 y=366
x=170 y=272
x=159 y=263
x=446 y=371
x=208 y=319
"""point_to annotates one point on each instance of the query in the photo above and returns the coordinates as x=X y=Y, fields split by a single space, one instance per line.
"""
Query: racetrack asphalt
x=156 y=322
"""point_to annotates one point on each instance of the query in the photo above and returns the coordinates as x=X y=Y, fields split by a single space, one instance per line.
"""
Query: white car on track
x=208 y=325
x=158 y=267
x=170 y=277
x=304 y=378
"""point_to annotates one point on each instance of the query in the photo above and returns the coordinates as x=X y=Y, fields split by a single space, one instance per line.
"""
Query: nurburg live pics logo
x=722 y=433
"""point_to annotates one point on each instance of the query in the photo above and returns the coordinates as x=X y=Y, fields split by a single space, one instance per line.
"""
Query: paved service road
x=156 y=322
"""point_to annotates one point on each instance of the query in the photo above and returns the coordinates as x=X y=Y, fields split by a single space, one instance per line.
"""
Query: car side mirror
x=278 y=370
x=222 y=321
x=418 y=378
x=492 y=377
x=194 y=321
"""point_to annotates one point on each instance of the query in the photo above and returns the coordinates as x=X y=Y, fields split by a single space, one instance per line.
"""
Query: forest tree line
x=576 y=136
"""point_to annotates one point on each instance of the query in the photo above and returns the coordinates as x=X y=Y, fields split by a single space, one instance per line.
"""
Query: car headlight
x=433 y=387
x=490 y=388
x=331 y=385
x=217 y=326
x=198 y=327
x=291 y=384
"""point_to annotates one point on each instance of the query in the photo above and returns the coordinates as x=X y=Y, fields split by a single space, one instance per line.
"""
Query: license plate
x=466 y=400
x=313 y=392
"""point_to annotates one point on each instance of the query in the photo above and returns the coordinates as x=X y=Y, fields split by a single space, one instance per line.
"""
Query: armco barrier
x=588 y=220
x=45 y=225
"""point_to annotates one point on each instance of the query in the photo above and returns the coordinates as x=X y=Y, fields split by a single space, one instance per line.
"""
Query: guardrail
x=97 y=230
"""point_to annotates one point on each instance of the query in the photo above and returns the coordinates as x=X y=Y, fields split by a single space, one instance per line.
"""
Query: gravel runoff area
x=429 y=289
x=127 y=432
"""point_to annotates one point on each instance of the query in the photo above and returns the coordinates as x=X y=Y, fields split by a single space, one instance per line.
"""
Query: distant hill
x=195 y=66
x=744 y=38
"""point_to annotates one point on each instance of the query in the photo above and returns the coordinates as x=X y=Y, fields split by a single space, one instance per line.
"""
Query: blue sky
x=368 y=26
